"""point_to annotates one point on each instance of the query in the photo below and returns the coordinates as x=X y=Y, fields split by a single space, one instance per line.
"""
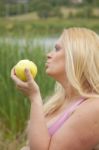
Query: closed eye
x=57 y=48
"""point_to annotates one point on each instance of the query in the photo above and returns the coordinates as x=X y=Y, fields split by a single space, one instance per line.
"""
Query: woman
x=69 y=120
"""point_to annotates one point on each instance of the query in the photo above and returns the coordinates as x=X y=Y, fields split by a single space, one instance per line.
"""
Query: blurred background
x=28 y=30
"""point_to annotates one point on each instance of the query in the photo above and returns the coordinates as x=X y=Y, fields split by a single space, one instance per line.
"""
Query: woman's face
x=55 y=64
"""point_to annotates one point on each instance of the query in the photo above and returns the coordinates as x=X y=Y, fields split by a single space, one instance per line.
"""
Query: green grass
x=52 y=26
x=14 y=106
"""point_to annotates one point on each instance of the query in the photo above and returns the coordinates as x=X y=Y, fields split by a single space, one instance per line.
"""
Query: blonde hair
x=81 y=47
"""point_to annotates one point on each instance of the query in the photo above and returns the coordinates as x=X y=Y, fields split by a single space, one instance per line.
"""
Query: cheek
x=61 y=67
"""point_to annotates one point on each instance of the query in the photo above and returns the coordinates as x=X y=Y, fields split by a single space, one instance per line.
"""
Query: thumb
x=28 y=74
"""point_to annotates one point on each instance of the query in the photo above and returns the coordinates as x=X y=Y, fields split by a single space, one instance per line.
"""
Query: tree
x=44 y=10
x=2 y=8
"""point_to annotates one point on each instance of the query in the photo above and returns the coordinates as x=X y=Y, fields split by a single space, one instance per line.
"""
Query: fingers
x=13 y=76
x=21 y=85
x=28 y=75
x=18 y=82
x=12 y=71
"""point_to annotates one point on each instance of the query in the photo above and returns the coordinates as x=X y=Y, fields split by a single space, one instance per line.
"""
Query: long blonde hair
x=81 y=47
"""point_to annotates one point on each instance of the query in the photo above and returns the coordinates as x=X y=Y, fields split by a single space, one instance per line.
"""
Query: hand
x=30 y=87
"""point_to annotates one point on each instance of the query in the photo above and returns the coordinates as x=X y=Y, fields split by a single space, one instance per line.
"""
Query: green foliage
x=89 y=1
x=28 y=28
x=2 y=8
x=44 y=10
x=86 y=12
x=43 y=6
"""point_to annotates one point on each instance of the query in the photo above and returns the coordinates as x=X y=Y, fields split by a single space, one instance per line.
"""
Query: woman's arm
x=79 y=132
x=38 y=135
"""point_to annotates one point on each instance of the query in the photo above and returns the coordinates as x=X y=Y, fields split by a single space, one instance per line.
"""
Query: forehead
x=59 y=42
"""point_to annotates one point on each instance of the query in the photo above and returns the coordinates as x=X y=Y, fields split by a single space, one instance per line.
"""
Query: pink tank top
x=59 y=122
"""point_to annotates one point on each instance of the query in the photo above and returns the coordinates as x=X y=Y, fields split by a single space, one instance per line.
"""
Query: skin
x=80 y=132
x=54 y=57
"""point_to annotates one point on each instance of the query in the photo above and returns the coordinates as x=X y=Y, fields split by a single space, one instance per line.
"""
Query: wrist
x=35 y=97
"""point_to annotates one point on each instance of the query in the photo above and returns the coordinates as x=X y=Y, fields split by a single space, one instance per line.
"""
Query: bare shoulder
x=90 y=105
x=81 y=130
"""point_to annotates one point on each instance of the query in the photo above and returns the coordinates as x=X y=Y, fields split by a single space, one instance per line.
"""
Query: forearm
x=38 y=135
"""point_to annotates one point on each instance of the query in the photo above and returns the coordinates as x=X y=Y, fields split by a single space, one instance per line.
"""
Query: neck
x=71 y=93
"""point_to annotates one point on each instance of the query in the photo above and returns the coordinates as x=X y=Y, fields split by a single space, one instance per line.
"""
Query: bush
x=86 y=12
x=44 y=10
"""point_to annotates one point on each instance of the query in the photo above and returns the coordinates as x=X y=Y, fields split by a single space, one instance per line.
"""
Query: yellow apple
x=20 y=68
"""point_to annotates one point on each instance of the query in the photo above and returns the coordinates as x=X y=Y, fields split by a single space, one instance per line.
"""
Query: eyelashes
x=57 y=49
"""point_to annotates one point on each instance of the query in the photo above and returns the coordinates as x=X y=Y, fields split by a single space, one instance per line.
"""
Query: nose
x=49 y=55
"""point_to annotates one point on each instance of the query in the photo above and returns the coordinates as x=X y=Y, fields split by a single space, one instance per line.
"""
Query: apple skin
x=20 y=69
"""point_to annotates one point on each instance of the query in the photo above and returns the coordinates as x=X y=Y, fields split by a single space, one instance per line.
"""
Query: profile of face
x=55 y=64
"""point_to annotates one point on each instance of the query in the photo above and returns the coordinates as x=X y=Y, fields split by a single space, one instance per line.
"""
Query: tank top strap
x=55 y=126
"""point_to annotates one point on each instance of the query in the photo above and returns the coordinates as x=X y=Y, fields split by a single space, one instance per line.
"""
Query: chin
x=50 y=74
